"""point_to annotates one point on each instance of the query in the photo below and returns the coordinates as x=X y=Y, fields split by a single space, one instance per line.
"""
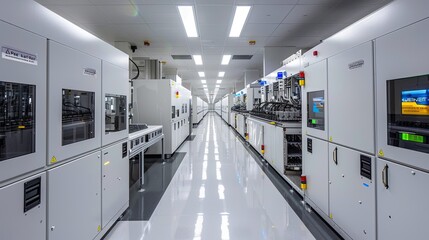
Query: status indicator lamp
x=412 y=138
x=313 y=121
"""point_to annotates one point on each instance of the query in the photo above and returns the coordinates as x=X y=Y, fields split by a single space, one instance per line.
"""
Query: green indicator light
x=313 y=121
x=412 y=138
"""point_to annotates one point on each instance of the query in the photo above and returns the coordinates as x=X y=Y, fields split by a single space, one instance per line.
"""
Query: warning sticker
x=89 y=72
x=18 y=56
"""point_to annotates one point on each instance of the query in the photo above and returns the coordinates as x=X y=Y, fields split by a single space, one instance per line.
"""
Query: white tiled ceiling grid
x=299 y=23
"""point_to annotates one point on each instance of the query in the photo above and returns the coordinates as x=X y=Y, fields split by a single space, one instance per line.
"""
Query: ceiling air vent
x=181 y=57
x=242 y=57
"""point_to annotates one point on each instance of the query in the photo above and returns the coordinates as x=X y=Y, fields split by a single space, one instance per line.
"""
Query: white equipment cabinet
x=198 y=109
x=74 y=103
x=253 y=96
x=163 y=102
x=74 y=197
x=115 y=181
x=114 y=95
x=24 y=143
x=226 y=108
x=351 y=75
x=352 y=191
x=316 y=168
x=401 y=201
x=23 y=209
x=402 y=166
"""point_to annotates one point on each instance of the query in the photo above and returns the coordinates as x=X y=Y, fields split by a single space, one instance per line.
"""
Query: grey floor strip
x=157 y=178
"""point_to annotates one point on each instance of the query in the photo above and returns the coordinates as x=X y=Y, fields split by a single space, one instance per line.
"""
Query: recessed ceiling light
x=188 y=19
x=217 y=86
x=219 y=81
x=204 y=86
x=201 y=74
x=198 y=59
x=221 y=74
x=226 y=59
x=241 y=13
x=203 y=81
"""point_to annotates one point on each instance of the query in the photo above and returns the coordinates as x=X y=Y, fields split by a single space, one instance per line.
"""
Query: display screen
x=316 y=110
x=17 y=120
x=408 y=113
x=78 y=116
x=115 y=113
x=415 y=102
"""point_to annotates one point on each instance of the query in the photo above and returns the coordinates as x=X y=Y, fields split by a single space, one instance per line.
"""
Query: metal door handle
x=335 y=156
x=385 y=176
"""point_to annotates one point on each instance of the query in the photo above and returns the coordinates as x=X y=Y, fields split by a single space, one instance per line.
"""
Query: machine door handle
x=335 y=156
x=385 y=176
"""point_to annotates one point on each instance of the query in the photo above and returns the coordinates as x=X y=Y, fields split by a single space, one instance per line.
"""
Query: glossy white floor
x=218 y=192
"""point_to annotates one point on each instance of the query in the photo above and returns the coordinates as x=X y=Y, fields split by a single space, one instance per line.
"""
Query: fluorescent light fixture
x=221 y=74
x=203 y=81
x=217 y=86
x=201 y=74
x=226 y=59
x=198 y=59
x=204 y=86
x=219 y=81
x=241 y=13
x=188 y=19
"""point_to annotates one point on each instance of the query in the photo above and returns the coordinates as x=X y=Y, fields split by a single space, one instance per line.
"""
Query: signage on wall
x=18 y=56
x=89 y=72
x=357 y=64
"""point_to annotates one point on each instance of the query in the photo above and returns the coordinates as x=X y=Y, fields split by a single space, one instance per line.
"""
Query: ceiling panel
x=259 y=29
x=102 y=14
x=119 y=32
x=64 y=2
x=159 y=13
x=209 y=15
x=266 y=2
x=269 y=13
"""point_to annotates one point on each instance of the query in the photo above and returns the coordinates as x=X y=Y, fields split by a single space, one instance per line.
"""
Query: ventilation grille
x=242 y=57
x=181 y=57
x=365 y=166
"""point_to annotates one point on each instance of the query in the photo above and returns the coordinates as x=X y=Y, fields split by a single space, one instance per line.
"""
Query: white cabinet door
x=74 y=197
x=352 y=192
x=402 y=208
x=351 y=98
x=316 y=80
x=115 y=181
x=15 y=221
x=315 y=167
x=23 y=147
x=74 y=103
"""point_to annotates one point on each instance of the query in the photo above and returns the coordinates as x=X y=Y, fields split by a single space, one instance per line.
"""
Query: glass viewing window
x=17 y=120
x=78 y=116
x=115 y=113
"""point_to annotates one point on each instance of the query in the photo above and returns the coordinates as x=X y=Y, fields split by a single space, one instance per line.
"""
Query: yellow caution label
x=272 y=123
x=53 y=159
x=330 y=138
x=381 y=153
x=21 y=127
x=106 y=163
x=99 y=228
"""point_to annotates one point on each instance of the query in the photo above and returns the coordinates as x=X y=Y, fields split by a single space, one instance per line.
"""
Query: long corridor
x=219 y=191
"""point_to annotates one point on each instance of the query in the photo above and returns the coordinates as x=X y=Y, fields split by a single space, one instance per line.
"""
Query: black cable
x=138 y=69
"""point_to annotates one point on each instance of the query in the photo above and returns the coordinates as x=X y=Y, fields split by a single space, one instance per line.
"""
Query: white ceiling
x=298 y=23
